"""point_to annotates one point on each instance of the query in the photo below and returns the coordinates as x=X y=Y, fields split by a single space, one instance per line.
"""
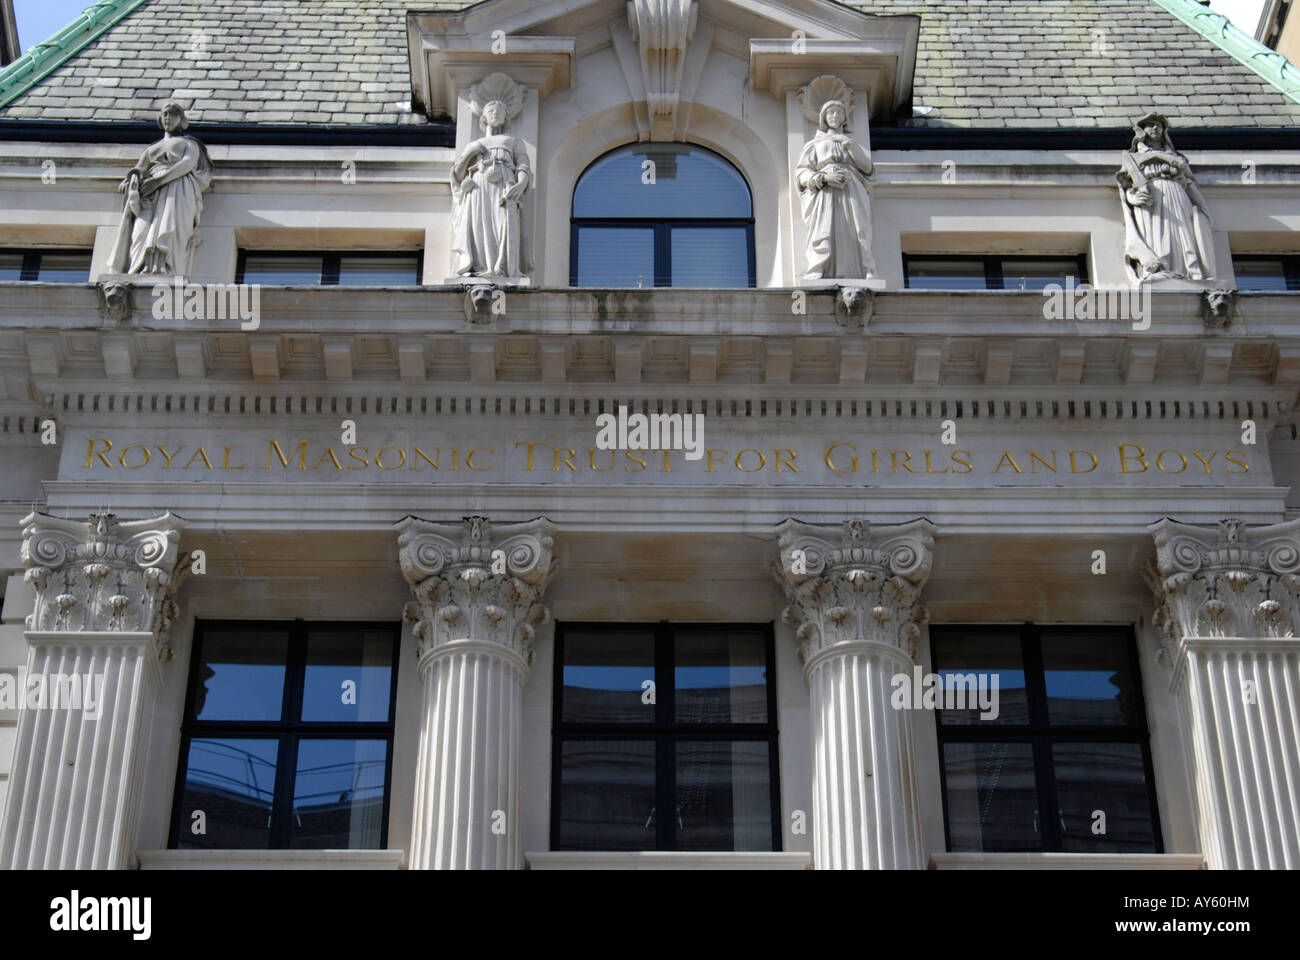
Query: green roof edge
x=1218 y=29
x=44 y=58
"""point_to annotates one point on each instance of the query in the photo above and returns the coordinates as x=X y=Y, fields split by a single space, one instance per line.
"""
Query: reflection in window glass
x=724 y=795
x=689 y=182
x=1089 y=680
x=992 y=797
x=1037 y=274
x=338 y=795
x=349 y=676
x=1261 y=274
x=945 y=274
x=394 y=271
x=720 y=676
x=11 y=266
x=241 y=676
x=276 y=269
x=232 y=782
x=607 y=795
x=962 y=659
x=616 y=257
x=605 y=673
x=710 y=257
x=1110 y=778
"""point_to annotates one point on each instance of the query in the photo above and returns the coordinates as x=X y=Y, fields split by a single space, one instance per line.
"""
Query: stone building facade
x=983 y=551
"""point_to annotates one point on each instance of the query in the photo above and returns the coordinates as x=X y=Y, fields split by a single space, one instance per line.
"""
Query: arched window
x=662 y=215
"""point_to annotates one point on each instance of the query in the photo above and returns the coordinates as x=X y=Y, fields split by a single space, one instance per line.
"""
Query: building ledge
x=660 y=860
x=271 y=859
x=1067 y=861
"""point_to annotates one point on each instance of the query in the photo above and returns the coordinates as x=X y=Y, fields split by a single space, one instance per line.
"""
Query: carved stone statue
x=159 y=231
x=835 y=176
x=489 y=181
x=1166 y=219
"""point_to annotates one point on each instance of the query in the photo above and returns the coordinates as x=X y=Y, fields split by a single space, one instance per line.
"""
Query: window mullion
x=665 y=744
x=282 y=798
x=330 y=269
x=1049 y=813
x=663 y=255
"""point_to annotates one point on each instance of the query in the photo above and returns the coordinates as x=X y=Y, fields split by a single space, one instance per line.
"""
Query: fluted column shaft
x=856 y=613
x=866 y=811
x=477 y=607
x=105 y=601
x=1227 y=601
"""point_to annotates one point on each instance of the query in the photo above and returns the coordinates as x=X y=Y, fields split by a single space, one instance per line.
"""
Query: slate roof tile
x=999 y=63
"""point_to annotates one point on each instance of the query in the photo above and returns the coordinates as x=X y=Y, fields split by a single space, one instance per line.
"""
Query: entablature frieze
x=313 y=341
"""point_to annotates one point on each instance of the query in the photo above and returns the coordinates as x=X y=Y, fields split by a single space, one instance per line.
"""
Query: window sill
x=271 y=859
x=663 y=860
x=1067 y=861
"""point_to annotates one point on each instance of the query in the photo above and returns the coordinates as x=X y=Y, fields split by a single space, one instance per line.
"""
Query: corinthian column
x=856 y=615
x=1227 y=601
x=105 y=600
x=478 y=603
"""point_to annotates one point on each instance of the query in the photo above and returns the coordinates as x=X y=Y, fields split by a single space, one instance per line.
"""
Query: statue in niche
x=159 y=231
x=1166 y=219
x=489 y=181
x=835 y=177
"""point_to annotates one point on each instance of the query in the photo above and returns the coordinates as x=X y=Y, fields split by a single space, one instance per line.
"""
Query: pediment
x=787 y=43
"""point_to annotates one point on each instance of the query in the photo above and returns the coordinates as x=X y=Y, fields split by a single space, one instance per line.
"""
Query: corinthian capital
x=1226 y=581
x=474 y=582
x=865 y=587
x=103 y=575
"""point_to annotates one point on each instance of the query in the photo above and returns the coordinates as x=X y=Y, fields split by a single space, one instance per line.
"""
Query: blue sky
x=40 y=19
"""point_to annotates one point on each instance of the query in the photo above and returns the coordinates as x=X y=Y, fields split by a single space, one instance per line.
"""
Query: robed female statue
x=834 y=178
x=1166 y=219
x=159 y=231
x=489 y=180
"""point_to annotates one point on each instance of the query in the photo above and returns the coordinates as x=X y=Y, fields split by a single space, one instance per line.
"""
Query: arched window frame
x=662 y=227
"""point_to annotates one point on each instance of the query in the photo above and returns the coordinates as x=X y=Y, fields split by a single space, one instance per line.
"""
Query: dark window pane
x=396 y=271
x=689 y=182
x=616 y=257
x=338 y=795
x=1036 y=274
x=1089 y=680
x=277 y=269
x=721 y=676
x=242 y=675
x=1265 y=275
x=349 y=676
x=992 y=797
x=724 y=795
x=607 y=795
x=70 y=267
x=963 y=662
x=710 y=257
x=605 y=674
x=945 y=274
x=1105 y=778
x=11 y=266
x=231 y=782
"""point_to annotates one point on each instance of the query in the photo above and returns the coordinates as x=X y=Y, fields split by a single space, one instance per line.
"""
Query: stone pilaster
x=478 y=603
x=855 y=606
x=105 y=601
x=1228 y=603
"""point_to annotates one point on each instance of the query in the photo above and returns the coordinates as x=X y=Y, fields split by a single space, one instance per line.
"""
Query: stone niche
x=722 y=74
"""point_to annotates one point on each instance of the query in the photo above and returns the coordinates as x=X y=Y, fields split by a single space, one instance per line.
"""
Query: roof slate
x=981 y=63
